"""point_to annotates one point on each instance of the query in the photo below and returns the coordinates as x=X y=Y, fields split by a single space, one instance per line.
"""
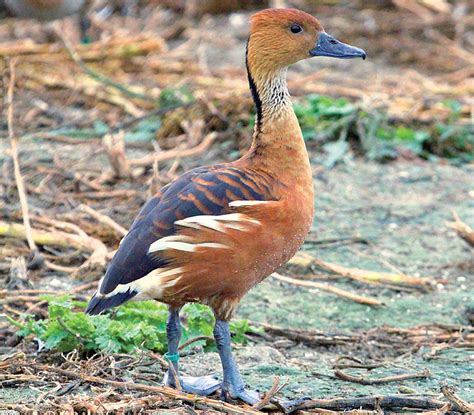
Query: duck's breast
x=232 y=253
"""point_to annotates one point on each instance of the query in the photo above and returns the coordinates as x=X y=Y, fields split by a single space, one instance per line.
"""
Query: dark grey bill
x=329 y=46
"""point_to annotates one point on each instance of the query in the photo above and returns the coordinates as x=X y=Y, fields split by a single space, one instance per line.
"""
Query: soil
x=401 y=209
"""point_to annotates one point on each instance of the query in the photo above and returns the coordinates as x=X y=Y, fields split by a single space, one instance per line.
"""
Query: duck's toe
x=245 y=395
x=203 y=386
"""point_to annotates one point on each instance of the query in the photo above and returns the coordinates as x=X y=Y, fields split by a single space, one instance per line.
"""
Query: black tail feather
x=97 y=304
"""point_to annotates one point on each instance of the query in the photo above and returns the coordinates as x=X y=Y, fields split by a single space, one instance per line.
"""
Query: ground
x=404 y=223
x=405 y=226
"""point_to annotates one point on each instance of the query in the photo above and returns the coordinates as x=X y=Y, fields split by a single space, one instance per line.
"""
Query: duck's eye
x=296 y=28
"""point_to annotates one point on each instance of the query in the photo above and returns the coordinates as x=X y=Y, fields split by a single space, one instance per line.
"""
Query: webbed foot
x=245 y=395
x=203 y=386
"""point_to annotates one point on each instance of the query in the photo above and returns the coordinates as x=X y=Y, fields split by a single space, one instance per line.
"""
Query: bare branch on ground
x=16 y=163
x=366 y=276
x=387 y=379
x=329 y=288
x=463 y=230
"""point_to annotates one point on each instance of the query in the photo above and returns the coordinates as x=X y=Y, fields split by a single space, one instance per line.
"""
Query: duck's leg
x=233 y=386
x=84 y=25
x=201 y=386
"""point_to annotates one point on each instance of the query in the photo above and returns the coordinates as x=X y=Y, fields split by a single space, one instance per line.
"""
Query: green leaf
x=175 y=96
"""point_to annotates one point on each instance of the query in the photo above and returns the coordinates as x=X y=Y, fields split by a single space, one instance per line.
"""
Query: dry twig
x=371 y=403
x=304 y=259
x=456 y=401
x=463 y=230
x=114 y=144
x=84 y=242
x=171 y=154
x=359 y=364
x=309 y=338
x=334 y=290
x=100 y=217
x=269 y=395
x=194 y=340
x=396 y=378
x=162 y=390
x=16 y=164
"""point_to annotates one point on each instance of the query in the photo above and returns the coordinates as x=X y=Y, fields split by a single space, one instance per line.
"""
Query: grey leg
x=84 y=23
x=173 y=333
x=205 y=385
x=233 y=385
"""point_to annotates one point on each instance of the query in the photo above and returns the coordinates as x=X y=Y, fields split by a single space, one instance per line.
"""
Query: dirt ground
x=404 y=223
x=395 y=214
x=405 y=226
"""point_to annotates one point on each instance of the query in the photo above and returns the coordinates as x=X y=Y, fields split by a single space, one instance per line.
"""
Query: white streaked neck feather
x=273 y=93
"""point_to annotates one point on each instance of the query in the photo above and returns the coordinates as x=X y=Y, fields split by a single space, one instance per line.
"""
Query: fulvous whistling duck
x=217 y=231
x=46 y=10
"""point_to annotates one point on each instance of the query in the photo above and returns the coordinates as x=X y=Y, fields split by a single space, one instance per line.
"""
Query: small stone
x=406 y=390
x=283 y=344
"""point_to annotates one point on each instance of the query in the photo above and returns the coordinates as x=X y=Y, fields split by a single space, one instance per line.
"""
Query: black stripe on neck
x=253 y=89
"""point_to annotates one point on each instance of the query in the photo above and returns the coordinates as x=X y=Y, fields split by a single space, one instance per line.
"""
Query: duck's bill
x=329 y=46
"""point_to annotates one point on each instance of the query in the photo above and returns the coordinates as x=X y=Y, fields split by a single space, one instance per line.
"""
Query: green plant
x=334 y=122
x=379 y=140
x=454 y=139
x=132 y=327
x=175 y=96
x=144 y=131
x=325 y=118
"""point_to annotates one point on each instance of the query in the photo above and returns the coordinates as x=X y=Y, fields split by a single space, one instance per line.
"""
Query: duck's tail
x=100 y=302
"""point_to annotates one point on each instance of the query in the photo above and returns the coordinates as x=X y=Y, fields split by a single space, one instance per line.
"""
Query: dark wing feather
x=202 y=191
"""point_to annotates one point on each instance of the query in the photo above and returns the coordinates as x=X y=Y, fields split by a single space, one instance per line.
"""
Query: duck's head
x=281 y=37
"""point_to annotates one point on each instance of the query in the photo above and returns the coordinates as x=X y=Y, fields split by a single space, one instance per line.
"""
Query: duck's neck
x=270 y=95
x=278 y=143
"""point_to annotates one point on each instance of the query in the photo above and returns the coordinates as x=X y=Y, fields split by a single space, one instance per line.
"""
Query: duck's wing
x=202 y=192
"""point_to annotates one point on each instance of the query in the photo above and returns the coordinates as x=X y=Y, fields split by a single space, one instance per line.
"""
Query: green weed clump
x=133 y=327
x=335 y=122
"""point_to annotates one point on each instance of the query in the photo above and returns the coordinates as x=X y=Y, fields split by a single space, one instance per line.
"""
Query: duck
x=48 y=10
x=215 y=232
